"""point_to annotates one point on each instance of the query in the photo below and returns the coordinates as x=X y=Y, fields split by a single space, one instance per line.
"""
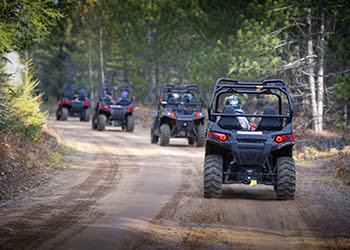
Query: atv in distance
x=73 y=102
x=114 y=108
x=180 y=114
x=238 y=152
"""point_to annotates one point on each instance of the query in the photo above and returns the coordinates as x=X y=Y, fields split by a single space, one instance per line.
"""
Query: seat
x=81 y=94
x=229 y=122
x=269 y=123
x=123 y=102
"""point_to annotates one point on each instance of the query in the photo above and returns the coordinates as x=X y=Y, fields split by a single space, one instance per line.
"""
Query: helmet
x=124 y=95
x=188 y=98
x=234 y=101
x=176 y=96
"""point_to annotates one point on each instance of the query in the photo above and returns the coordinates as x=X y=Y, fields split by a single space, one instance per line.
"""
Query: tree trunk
x=101 y=59
x=320 y=73
x=346 y=112
x=92 y=96
x=149 y=71
x=156 y=75
x=311 y=77
x=126 y=70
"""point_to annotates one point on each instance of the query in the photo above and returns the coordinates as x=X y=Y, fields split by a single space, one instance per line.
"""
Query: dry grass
x=24 y=164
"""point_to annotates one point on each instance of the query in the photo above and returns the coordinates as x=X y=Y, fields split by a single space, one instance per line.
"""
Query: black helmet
x=234 y=101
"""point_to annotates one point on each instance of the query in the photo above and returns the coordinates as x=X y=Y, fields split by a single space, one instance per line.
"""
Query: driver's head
x=188 y=98
x=176 y=96
x=124 y=95
x=235 y=102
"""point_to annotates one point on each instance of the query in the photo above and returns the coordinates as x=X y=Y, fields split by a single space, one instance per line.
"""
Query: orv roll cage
x=265 y=87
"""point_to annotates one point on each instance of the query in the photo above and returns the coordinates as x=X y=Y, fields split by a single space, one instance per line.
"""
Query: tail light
x=197 y=114
x=220 y=136
x=129 y=108
x=104 y=107
x=68 y=101
x=209 y=133
x=172 y=114
x=86 y=103
x=281 y=138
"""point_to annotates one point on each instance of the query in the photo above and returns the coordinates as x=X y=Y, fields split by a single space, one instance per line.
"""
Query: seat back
x=124 y=102
x=229 y=122
x=269 y=123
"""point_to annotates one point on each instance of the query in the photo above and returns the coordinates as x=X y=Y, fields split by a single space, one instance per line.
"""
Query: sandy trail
x=121 y=191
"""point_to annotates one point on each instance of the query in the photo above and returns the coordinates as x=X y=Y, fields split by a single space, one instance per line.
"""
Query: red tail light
x=104 y=107
x=172 y=114
x=281 y=138
x=197 y=115
x=86 y=103
x=220 y=136
x=68 y=101
x=209 y=133
x=129 y=108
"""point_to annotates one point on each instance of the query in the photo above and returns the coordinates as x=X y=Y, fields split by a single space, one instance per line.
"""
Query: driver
x=175 y=97
x=236 y=103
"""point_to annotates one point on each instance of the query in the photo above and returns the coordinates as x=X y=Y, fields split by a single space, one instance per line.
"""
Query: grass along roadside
x=25 y=164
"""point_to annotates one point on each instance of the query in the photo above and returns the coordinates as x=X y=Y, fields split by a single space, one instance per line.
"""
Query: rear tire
x=58 y=114
x=101 y=122
x=191 y=140
x=94 y=123
x=154 y=138
x=129 y=123
x=286 y=178
x=200 y=136
x=212 y=176
x=86 y=115
x=64 y=114
x=164 y=135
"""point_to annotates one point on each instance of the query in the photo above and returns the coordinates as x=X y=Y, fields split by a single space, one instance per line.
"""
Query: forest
x=93 y=181
x=146 y=43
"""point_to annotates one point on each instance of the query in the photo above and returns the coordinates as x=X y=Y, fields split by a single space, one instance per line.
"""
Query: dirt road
x=121 y=191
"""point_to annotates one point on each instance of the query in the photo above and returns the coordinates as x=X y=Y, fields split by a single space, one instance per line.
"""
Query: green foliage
x=343 y=126
x=342 y=87
x=24 y=114
x=25 y=22
x=147 y=43
x=336 y=117
x=57 y=157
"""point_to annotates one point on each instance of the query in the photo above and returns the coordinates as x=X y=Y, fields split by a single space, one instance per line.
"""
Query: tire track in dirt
x=246 y=217
x=149 y=176
x=65 y=212
x=124 y=192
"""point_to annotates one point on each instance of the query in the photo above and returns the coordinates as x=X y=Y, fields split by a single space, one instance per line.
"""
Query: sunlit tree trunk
x=311 y=77
x=92 y=96
x=345 y=116
x=156 y=75
x=320 y=77
x=101 y=59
